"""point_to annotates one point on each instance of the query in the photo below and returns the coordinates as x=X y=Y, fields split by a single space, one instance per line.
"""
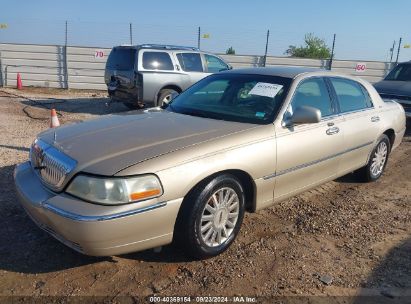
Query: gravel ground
x=343 y=239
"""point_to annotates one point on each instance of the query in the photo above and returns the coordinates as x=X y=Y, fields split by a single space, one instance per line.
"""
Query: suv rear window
x=121 y=59
x=157 y=61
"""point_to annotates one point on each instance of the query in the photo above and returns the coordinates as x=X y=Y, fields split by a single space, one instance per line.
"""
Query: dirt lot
x=356 y=237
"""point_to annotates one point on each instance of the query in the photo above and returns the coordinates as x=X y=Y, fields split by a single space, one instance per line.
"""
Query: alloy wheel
x=219 y=217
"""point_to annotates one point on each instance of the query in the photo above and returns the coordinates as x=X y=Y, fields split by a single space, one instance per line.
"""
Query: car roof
x=281 y=71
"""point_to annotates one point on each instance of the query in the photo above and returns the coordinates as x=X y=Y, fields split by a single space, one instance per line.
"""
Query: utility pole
x=65 y=57
x=392 y=50
x=131 y=33
x=398 y=52
x=266 y=48
x=332 y=54
x=199 y=37
x=66 y=33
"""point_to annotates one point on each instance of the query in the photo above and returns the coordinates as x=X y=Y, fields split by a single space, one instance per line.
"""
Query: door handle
x=375 y=118
x=333 y=130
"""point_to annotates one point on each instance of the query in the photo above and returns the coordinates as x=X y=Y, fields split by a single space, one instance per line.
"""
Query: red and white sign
x=360 y=67
x=99 y=54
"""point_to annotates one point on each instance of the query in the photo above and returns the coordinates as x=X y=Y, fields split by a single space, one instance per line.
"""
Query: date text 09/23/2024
x=202 y=299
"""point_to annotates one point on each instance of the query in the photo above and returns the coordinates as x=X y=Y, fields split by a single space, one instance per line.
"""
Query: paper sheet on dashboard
x=265 y=89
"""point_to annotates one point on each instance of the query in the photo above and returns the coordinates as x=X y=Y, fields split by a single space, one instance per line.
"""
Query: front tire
x=377 y=162
x=211 y=216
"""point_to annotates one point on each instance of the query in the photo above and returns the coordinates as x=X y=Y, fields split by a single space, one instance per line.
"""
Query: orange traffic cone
x=54 y=121
x=19 y=83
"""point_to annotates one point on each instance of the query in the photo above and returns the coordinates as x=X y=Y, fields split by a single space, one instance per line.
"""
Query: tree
x=314 y=48
x=230 y=51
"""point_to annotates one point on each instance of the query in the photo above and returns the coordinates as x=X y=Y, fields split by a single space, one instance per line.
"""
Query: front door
x=308 y=154
x=214 y=64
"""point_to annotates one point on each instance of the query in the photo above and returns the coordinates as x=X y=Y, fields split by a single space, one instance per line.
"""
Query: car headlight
x=115 y=191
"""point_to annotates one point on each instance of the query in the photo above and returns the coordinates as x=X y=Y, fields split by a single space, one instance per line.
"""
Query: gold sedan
x=236 y=141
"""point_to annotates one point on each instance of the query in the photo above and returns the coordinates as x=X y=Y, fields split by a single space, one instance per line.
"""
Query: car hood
x=393 y=87
x=112 y=143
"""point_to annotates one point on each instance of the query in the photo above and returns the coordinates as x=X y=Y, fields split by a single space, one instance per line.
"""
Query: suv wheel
x=164 y=97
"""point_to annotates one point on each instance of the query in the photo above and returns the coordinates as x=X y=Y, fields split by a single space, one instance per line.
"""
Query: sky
x=365 y=29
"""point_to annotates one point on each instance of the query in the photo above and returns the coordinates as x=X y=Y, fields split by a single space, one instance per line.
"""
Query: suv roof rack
x=168 y=47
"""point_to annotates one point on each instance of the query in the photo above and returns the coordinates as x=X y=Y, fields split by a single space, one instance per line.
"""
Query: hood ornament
x=55 y=137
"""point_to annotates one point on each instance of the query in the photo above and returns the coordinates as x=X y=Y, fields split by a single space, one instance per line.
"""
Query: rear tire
x=377 y=162
x=165 y=96
x=211 y=216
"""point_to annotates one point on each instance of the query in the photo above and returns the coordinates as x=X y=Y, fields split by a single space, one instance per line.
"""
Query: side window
x=350 y=95
x=368 y=99
x=190 y=62
x=157 y=61
x=314 y=93
x=215 y=64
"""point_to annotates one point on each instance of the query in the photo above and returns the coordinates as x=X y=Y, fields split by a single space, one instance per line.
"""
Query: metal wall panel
x=47 y=65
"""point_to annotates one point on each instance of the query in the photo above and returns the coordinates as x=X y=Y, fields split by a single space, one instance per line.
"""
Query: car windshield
x=121 y=59
x=244 y=98
x=401 y=72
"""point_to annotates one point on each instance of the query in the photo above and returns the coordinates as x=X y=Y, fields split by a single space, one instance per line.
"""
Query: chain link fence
x=244 y=40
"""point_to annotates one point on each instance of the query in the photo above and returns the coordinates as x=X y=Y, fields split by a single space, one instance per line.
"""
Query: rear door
x=158 y=70
x=361 y=122
x=192 y=65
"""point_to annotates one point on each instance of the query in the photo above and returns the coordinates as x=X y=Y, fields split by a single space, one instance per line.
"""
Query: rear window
x=121 y=59
x=157 y=61
x=351 y=95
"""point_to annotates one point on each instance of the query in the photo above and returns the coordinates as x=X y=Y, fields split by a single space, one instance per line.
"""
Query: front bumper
x=95 y=229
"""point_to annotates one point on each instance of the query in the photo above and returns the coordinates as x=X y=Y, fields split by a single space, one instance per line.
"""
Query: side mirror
x=304 y=115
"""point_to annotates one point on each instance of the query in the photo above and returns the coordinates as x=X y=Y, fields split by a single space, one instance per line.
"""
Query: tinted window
x=234 y=97
x=215 y=64
x=314 y=93
x=121 y=59
x=157 y=61
x=350 y=95
x=401 y=72
x=190 y=62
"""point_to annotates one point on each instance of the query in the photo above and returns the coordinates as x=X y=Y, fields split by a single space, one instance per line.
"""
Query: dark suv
x=397 y=86
x=151 y=74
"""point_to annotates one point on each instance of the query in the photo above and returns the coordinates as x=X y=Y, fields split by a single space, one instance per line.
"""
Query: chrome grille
x=50 y=164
